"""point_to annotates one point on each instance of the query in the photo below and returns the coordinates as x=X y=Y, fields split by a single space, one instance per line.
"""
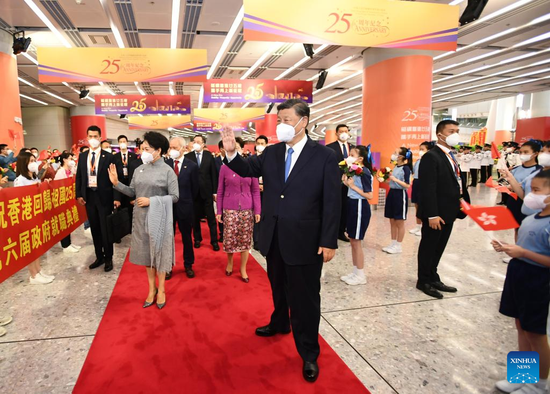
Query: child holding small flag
x=526 y=293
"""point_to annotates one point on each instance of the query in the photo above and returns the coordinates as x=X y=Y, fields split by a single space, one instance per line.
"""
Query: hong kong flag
x=500 y=188
x=491 y=218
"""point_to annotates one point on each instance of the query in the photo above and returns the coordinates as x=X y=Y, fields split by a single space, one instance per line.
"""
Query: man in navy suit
x=188 y=180
x=94 y=190
x=300 y=220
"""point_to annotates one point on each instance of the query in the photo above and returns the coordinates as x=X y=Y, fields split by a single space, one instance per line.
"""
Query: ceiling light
x=262 y=58
x=32 y=59
x=107 y=88
x=504 y=10
x=226 y=42
x=341 y=109
x=335 y=95
x=27 y=82
x=337 y=104
x=47 y=22
x=30 y=98
x=171 y=88
x=201 y=96
x=114 y=28
x=59 y=98
x=140 y=90
x=245 y=105
x=540 y=19
x=223 y=105
x=140 y=115
x=532 y=40
x=333 y=68
x=340 y=81
x=471 y=87
x=473 y=59
x=455 y=2
x=175 y=21
x=70 y=87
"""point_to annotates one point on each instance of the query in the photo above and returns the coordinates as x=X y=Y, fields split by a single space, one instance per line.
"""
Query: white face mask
x=196 y=147
x=33 y=167
x=452 y=139
x=174 y=154
x=344 y=137
x=260 y=148
x=108 y=150
x=71 y=163
x=94 y=143
x=147 y=157
x=394 y=157
x=421 y=153
x=509 y=150
x=535 y=201
x=35 y=155
x=544 y=159
x=9 y=152
x=286 y=132
x=525 y=158
x=123 y=146
x=350 y=160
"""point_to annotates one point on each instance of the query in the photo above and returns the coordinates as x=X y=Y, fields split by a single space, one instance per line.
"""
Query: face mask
x=123 y=146
x=509 y=150
x=71 y=163
x=286 y=132
x=108 y=150
x=524 y=158
x=33 y=167
x=94 y=143
x=196 y=147
x=394 y=157
x=260 y=148
x=174 y=154
x=535 y=201
x=452 y=139
x=35 y=155
x=9 y=152
x=350 y=160
x=544 y=159
x=147 y=157
x=421 y=153
x=344 y=137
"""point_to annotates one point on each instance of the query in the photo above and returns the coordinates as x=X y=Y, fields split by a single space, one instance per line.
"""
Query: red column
x=11 y=129
x=268 y=127
x=80 y=124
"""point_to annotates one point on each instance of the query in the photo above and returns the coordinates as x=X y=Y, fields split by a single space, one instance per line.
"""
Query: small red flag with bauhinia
x=491 y=218
x=494 y=151
x=500 y=188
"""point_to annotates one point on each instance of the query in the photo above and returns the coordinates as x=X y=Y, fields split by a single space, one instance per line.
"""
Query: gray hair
x=180 y=139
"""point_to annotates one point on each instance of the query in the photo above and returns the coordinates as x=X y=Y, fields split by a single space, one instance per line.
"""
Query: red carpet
x=203 y=340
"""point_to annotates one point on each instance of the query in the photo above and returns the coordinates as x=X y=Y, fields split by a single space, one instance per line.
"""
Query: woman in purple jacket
x=239 y=202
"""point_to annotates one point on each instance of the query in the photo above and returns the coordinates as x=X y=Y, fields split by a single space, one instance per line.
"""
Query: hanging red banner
x=33 y=219
x=256 y=90
x=145 y=105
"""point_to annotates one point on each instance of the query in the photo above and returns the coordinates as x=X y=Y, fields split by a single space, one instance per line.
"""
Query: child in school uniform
x=526 y=293
x=358 y=209
x=397 y=199
x=415 y=195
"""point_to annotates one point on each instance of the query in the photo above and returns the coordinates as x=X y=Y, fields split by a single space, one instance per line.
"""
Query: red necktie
x=177 y=167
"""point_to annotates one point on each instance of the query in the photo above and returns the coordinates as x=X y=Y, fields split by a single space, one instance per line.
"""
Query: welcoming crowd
x=269 y=201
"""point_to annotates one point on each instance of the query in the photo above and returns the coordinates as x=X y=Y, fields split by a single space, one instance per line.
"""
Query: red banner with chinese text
x=33 y=219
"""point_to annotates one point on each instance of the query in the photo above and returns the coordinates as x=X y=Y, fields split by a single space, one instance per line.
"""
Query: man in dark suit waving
x=188 y=180
x=440 y=192
x=208 y=181
x=95 y=191
x=341 y=147
x=300 y=217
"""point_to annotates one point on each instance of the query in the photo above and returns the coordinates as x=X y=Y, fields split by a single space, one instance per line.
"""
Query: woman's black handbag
x=118 y=225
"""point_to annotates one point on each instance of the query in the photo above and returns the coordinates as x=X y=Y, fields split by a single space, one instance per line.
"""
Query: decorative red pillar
x=268 y=127
x=81 y=119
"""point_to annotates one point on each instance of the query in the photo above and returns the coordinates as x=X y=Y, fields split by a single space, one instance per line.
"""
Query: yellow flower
x=342 y=163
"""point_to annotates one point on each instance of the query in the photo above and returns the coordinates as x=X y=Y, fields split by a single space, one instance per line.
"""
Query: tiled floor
x=395 y=339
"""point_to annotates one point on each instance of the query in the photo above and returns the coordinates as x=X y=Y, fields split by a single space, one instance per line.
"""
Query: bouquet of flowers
x=350 y=169
x=383 y=174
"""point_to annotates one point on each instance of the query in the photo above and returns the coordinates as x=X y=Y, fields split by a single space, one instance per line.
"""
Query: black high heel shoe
x=160 y=306
x=147 y=304
x=228 y=273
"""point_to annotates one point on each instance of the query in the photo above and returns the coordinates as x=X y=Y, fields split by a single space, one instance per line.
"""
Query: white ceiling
x=458 y=77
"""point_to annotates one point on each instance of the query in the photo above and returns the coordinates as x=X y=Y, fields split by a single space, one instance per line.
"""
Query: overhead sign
x=151 y=122
x=145 y=105
x=33 y=219
x=214 y=119
x=361 y=23
x=121 y=65
x=256 y=90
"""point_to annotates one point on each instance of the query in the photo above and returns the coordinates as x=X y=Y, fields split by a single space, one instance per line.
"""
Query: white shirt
x=487 y=158
x=22 y=181
x=96 y=162
x=448 y=154
x=298 y=148
x=342 y=147
x=180 y=162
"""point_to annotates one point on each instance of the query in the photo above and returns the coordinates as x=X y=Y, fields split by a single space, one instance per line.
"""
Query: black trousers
x=205 y=207
x=489 y=171
x=66 y=242
x=484 y=172
x=296 y=288
x=220 y=227
x=474 y=172
x=344 y=211
x=432 y=246
x=97 y=216
x=186 y=226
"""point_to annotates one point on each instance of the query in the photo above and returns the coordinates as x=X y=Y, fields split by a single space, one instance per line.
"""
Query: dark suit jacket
x=104 y=185
x=439 y=190
x=188 y=181
x=219 y=163
x=132 y=168
x=306 y=209
x=208 y=174
x=335 y=146
x=117 y=160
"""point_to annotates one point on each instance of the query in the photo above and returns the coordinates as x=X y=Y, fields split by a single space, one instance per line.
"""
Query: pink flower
x=354 y=167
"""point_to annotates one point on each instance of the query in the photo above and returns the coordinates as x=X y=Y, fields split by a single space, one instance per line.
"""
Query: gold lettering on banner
x=62 y=221
x=13 y=210
x=69 y=215
x=24 y=243
x=10 y=249
x=3 y=221
x=55 y=226
x=37 y=198
x=36 y=240
x=46 y=232
x=76 y=217
x=27 y=208
x=47 y=195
